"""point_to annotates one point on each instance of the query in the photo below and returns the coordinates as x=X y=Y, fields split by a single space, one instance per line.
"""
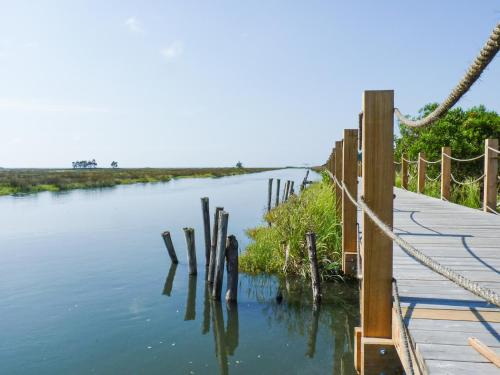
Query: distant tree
x=114 y=164
x=93 y=163
x=84 y=164
x=239 y=165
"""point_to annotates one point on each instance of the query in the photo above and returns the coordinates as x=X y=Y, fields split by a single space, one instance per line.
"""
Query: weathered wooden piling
x=191 y=251
x=213 y=248
x=445 y=173
x=169 y=282
x=269 y=194
x=232 y=269
x=206 y=227
x=278 y=182
x=220 y=255
x=291 y=187
x=315 y=280
x=422 y=168
x=190 y=313
x=285 y=186
x=170 y=246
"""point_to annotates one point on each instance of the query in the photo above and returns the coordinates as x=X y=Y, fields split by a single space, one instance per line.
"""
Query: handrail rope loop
x=492 y=149
x=433 y=179
x=410 y=161
x=430 y=162
x=404 y=329
x=470 y=285
x=485 y=56
x=464 y=160
x=492 y=210
x=466 y=182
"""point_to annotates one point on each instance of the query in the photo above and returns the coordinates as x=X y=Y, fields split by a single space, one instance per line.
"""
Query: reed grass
x=23 y=181
x=312 y=210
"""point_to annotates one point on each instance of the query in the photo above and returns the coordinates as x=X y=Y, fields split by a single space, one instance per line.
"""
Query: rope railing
x=404 y=329
x=492 y=149
x=464 y=160
x=430 y=162
x=467 y=182
x=470 y=285
x=475 y=70
x=433 y=179
x=410 y=161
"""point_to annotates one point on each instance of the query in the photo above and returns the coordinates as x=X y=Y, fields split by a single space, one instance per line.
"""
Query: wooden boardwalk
x=441 y=315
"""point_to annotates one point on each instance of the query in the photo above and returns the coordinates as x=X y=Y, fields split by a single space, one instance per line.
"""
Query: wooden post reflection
x=313 y=332
x=206 y=309
x=191 y=299
x=232 y=328
x=167 y=288
x=219 y=336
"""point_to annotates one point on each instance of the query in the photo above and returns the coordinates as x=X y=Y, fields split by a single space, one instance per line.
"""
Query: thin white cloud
x=134 y=25
x=37 y=106
x=173 y=51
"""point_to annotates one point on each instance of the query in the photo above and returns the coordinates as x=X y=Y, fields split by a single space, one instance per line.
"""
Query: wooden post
x=190 y=313
x=269 y=194
x=404 y=173
x=221 y=252
x=422 y=168
x=278 y=182
x=191 y=250
x=445 y=173
x=169 y=282
x=213 y=248
x=285 y=187
x=313 y=260
x=292 y=183
x=287 y=190
x=490 y=175
x=206 y=227
x=378 y=181
x=232 y=269
x=338 y=174
x=349 y=211
x=170 y=246
x=332 y=167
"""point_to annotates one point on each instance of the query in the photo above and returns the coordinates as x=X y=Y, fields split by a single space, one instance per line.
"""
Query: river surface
x=86 y=286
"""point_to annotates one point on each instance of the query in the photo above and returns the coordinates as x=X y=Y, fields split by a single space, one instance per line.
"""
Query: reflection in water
x=206 y=310
x=167 y=289
x=313 y=332
x=191 y=299
x=233 y=327
x=219 y=336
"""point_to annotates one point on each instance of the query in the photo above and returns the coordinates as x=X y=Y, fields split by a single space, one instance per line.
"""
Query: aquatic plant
x=312 y=210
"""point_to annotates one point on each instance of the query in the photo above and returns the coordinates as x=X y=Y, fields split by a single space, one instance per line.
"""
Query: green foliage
x=463 y=130
x=14 y=181
x=313 y=210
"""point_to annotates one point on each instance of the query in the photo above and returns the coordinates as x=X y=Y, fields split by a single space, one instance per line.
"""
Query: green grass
x=24 y=181
x=313 y=210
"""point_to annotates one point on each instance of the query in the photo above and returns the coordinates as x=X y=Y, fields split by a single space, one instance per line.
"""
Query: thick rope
x=433 y=179
x=492 y=149
x=471 y=159
x=466 y=182
x=431 y=162
x=404 y=329
x=470 y=285
x=491 y=210
x=410 y=161
x=485 y=56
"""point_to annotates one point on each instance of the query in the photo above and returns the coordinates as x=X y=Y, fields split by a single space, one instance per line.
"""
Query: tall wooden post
x=349 y=212
x=338 y=174
x=490 y=175
x=269 y=194
x=278 y=183
x=445 y=173
x=422 y=167
x=404 y=173
x=332 y=170
x=206 y=228
x=378 y=181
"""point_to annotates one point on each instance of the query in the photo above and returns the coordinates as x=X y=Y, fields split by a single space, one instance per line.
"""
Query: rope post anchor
x=422 y=167
x=378 y=353
x=490 y=175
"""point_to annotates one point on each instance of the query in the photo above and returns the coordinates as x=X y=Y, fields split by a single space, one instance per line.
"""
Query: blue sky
x=208 y=83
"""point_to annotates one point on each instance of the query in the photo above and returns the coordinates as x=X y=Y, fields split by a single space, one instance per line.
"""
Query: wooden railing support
x=349 y=211
x=377 y=349
x=490 y=175
x=445 y=173
x=422 y=168
x=338 y=174
x=404 y=173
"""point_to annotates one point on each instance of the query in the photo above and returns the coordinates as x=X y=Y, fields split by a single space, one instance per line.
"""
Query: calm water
x=86 y=286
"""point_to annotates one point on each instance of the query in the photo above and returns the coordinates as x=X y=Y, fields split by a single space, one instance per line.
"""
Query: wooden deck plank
x=441 y=315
